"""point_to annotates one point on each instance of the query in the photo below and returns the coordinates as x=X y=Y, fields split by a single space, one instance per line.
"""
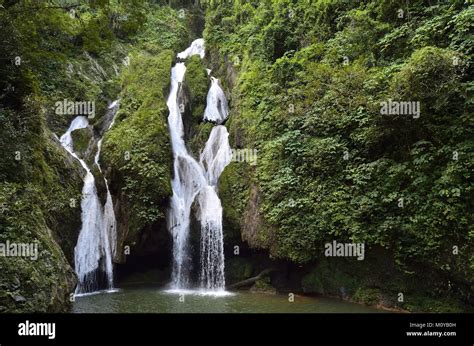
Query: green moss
x=263 y=284
x=138 y=146
x=198 y=141
x=237 y=269
x=81 y=139
x=30 y=284
x=234 y=192
x=331 y=278
x=197 y=80
x=369 y=296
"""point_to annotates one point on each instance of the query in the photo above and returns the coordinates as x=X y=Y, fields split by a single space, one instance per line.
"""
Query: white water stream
x=217 y=109
x=96 y=242
x=197 y=181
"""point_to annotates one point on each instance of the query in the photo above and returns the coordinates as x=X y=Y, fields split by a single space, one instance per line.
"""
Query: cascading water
x=216 y=108
x=110 y=222
x=212 y=242
x=193 y=180
x=196 y=48
x=187 y=181
x=95 y=246
x=217 y=154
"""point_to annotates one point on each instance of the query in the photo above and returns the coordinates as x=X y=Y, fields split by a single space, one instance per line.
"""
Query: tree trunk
x=250 y=281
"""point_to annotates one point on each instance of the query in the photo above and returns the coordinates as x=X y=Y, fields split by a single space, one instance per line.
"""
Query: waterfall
x=212 y=240
x=188 y=179
x=95 y=246
x=193 y=180
x=217 y=154
x=110 y=221
x=196 y=48
x=216 y=108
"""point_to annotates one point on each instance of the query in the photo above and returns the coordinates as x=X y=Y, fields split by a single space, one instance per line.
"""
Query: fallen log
x=251 y=280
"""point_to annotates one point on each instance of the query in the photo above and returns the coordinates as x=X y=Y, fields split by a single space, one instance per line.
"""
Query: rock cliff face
x=137 y=156
x=44 y=284
x=43 y=215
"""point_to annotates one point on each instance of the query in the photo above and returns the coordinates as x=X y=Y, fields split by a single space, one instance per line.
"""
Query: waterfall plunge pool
x=157 y=300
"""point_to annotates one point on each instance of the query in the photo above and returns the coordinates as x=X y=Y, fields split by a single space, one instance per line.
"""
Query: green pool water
x=158 y=300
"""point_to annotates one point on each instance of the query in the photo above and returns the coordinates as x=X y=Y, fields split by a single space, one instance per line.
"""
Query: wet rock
x=19 y=299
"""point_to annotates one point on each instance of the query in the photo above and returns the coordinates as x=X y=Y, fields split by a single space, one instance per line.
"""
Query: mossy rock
x=81 y=139
x=192 y=98
x=137 y=151
x=43 y=280
x=330 y=278
x=237 y=269
x=198 y=82
x=234 y=192
x=62 y=186
x=36 y=208
x=375 y=283
x=263 y=286
x=312 y=283
x=197 y=143
x=369 y=296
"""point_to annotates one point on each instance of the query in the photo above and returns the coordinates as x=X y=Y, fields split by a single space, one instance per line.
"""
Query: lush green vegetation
x=137 y=149
x=55 y=50
x=195 y=87
x=311 y=80
x=307 y=81
x=42 y=282
x=138 y=146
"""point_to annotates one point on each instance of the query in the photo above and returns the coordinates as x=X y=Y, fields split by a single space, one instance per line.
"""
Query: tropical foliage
x=312 y=78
